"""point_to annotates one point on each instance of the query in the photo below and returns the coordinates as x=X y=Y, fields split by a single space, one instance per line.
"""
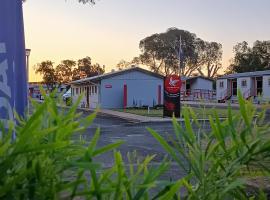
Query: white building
x=197 y=88
x=133 y=87
x=250 y=84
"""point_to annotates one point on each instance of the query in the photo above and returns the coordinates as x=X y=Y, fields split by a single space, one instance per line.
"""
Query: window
x=72 y=91
x=95 y=89
x=77 y=90
x=90 y=90
x=221 y=84
x=244 y=83
x=268 y=81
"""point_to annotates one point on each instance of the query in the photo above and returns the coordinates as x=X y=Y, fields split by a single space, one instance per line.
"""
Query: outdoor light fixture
x=27 y=54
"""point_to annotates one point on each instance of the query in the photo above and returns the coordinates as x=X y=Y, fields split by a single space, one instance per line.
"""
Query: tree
x=209 y=58
x=246 y=59
x=123 y=65
x=160 y=52
x=87 y=69
x=64 y=71
x=49 y=76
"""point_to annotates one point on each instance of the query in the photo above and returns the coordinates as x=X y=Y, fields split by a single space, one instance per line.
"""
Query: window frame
x=221 y=84
x=244 y=83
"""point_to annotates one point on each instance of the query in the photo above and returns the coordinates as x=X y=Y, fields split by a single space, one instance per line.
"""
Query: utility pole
x=179 y=54
x=179 y=57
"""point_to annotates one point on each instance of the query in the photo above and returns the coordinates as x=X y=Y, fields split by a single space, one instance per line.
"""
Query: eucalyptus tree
x=180 y=52
x=247 y=58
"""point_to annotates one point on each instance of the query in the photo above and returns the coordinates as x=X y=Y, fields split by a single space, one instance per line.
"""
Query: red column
x=125 y=96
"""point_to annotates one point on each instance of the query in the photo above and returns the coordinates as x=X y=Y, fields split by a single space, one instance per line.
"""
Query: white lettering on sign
x=2 y=48
x=4 y=103
x=4 y=88
x=3 y=84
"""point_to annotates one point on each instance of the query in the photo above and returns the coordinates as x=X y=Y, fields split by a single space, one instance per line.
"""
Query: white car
x=67 y=95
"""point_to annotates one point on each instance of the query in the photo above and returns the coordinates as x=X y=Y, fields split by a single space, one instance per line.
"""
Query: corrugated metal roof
x=246 y=74
x=116 y=73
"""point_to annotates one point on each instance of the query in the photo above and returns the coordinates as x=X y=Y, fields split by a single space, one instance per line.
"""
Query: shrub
x=214 y=162
x=47 y=160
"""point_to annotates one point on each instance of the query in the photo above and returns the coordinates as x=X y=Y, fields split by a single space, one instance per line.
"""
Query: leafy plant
x=214 y=162
x=48 y=160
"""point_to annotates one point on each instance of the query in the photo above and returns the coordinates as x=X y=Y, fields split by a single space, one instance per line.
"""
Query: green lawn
x=200 y=112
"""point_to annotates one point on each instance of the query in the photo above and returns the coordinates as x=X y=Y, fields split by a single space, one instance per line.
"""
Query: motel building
x=197 y=88
x=251 y=84
x=132 y=87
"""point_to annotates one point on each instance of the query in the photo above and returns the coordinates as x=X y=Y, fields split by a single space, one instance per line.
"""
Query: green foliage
x=160 y=52
x=248 y=59
x=214 y=162
x=48 y=160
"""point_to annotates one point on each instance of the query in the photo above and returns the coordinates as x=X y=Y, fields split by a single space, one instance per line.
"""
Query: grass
x=200 y=112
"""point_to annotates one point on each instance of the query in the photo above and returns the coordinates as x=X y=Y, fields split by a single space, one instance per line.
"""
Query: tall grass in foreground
x=219 y=163
x=45 y=161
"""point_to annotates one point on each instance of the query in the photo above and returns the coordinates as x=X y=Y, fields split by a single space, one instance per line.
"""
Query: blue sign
x=13 y=86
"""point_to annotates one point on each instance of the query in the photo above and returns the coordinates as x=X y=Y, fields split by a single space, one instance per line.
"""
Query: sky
x=111 y=30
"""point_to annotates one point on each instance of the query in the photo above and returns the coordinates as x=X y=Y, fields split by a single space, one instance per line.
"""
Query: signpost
x=13 y=86
x=172 y=86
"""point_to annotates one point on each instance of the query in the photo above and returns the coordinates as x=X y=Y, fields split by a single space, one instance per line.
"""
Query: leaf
x=167 y=147
x=173 y=190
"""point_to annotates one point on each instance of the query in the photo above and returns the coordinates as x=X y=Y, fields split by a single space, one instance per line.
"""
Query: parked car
x=67 y=95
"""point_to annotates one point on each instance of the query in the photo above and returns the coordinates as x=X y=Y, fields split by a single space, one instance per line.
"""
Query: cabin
x=132 y=87
x=34 y=89
x=197 y=88
x=254 y=85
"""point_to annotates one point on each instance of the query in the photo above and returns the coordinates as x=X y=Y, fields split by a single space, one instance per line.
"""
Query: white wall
x=201 y=84
x=244 y=89
x=266 y=87
x=141 y=89
x=221 y=90
x=76 y=96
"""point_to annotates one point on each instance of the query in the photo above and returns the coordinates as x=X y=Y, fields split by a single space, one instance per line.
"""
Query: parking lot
x=135 y=137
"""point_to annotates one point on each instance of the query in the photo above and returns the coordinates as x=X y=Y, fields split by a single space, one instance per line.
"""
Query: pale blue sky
x=111 y=30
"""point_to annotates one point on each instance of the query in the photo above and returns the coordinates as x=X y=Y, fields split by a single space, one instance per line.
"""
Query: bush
x=218 y=164
x=46 y=161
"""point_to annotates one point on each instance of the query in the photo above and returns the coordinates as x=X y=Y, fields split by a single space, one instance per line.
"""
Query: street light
x=27 y=54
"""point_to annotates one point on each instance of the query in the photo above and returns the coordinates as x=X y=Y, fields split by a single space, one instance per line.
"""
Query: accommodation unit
x=34 y=89
x=133 y=87
x=250 y=84
x=197 y=88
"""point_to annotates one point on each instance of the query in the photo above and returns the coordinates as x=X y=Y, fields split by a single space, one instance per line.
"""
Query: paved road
x=136 y=138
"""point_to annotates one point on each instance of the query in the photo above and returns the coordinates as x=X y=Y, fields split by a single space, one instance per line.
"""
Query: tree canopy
x=67 y=71
x=247 y=59
x=161 y=51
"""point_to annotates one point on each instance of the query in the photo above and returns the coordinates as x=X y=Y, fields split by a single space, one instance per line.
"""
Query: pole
x=27 y=53
x=179 y=54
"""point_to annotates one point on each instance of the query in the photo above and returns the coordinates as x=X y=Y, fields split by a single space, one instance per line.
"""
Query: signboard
x=13 y=86
x=172 y=86
x=108 y=86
